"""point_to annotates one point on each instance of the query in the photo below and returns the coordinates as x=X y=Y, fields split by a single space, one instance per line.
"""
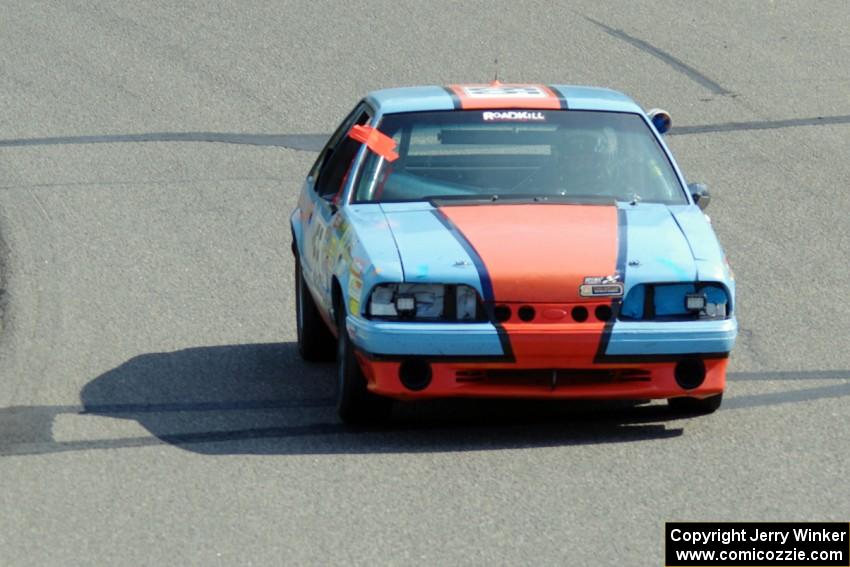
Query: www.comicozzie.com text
x=743 y=534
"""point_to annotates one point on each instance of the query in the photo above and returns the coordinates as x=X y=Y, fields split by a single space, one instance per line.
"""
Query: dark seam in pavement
x=789 y=397
x=674 y=62
x=762 y=125
x=49 y=446
x=301 y=142
x=202 y=406
x=315 y=142
x=620 y=433
x=791 y=375
x=183 y=181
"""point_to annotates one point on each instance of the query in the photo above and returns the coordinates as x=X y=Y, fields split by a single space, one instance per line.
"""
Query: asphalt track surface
x=153 y=409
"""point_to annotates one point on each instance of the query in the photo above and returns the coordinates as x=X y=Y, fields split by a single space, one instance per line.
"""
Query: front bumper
x=646 y=380
x=386 y=338
x=592 y=360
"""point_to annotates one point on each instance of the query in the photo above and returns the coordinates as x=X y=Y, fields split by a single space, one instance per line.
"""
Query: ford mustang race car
x=504 y=240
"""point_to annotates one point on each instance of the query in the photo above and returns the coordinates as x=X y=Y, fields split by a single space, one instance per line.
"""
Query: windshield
x=495 y=154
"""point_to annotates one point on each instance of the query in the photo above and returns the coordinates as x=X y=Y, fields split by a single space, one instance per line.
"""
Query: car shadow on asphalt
x=261 y=398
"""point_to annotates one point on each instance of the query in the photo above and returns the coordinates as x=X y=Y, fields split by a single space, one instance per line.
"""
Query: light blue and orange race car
x=507 y=240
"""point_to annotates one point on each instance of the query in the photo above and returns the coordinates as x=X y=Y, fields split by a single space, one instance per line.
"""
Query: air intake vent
x=552 y=376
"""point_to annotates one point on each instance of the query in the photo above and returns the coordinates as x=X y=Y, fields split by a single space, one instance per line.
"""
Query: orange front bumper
x=644 y=380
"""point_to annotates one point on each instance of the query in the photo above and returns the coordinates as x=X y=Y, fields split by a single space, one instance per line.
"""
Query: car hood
x=658 y=249
x=538 y=252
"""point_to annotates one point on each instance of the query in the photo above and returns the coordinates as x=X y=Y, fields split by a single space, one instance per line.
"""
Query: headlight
x=406 y=304
x=699 y=304
x=676 y=301
x=716 y=302
x=429 y=302
x=694 y=302
x=708 y=303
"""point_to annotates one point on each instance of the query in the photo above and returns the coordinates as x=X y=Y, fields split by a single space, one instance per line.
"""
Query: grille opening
x=552 y=377
x=526 y=313
x=502 y=313
x=604 y=313
x=579 y=314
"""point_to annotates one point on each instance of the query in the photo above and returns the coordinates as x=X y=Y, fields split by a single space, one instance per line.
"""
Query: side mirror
x=333 y=202
x=700 y=194
x=660 y=119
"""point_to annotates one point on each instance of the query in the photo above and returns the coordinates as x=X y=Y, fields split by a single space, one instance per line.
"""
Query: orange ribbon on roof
x=375 y=140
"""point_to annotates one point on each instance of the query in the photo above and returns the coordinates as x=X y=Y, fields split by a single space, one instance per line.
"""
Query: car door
x=326 y=182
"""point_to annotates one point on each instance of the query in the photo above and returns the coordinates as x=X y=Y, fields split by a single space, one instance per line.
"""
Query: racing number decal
x=497 y=95
x=318 y=239
x=505 y=91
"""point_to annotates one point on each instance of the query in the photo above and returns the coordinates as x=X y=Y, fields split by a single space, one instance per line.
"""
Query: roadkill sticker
x=513 y=115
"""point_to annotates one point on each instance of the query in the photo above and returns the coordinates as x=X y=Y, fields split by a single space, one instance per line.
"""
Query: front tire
x=356 y=405
x=315 y=341
x=696 y=406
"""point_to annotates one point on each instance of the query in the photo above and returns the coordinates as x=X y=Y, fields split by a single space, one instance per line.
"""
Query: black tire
x=355 y=404
x=696 y=406
x=315 y=341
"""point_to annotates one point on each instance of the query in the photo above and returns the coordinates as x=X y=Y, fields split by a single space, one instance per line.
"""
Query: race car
x=509 y=240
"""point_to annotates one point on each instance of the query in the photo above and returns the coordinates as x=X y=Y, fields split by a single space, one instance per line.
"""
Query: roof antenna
x=496 y=75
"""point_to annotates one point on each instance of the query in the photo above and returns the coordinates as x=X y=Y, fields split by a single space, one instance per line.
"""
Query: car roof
x=499 y=95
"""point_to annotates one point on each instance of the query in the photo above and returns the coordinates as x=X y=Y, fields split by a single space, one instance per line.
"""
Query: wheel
x=315 y=341
x=355 y=404
x=696 y=405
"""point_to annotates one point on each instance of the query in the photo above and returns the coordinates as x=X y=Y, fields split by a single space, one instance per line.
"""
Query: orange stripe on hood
x=540 y=253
